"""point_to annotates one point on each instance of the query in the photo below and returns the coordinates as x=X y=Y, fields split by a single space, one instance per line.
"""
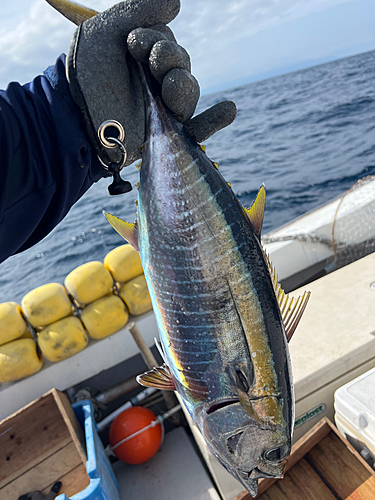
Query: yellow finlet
x=216 y=165
x=203 y=147
x=138 y=165
x=73 y=11
x=291 y=308
x=229 y=184
x=256 y=211
x=125 y=229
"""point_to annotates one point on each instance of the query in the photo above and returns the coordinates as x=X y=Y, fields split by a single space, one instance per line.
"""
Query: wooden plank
x=340 y=469
x=30 y=436
x=73 y=482
x=35 y=432
x=45 y=473
x=75 y=430
x=300 y=482
x=366 y=491
x=352 y=449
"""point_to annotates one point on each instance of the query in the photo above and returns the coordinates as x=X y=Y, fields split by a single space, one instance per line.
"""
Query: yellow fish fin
x=203 y=147
x=159 y=377
x=73 y=11
x=216 y=165
x=246 y=405
x=125 y=229
x=256 y=211
x=291 y=308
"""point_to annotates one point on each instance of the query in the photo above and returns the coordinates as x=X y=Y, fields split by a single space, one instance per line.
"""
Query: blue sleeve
x=46 y=162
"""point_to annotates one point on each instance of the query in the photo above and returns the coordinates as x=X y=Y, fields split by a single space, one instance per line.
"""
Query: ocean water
x=308 y=136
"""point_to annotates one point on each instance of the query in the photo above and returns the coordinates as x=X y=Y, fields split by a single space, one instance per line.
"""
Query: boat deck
x=174 y=472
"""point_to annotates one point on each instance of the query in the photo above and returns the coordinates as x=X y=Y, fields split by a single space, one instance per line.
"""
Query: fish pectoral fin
x=291 y=308
x=256 y=212
x=245 y=403
x=159 y=377
x=125 y=229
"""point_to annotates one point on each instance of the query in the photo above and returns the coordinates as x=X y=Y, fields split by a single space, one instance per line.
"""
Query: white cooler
x=355 y=413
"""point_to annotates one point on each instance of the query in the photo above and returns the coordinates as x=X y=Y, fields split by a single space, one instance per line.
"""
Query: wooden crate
x=322 y=466
x=40 y=444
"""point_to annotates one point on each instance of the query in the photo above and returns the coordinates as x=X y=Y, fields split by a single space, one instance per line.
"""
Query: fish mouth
x=250 y=484
x=218 y=405
x=257 y=473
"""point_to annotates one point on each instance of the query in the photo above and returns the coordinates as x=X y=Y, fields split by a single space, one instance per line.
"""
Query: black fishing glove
x=104 y=81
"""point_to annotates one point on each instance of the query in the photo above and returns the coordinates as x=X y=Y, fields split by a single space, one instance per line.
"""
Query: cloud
x=32 y=43
x=31 y=40
x=218 y=34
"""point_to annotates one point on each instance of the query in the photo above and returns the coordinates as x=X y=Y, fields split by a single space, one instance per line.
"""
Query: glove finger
x=130 y=14
x=212 y=120
x=165 y=30
x=180 y=92
x=165 y=56
x=141 y=40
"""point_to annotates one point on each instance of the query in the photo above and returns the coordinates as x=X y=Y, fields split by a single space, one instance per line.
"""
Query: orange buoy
x=141 y=447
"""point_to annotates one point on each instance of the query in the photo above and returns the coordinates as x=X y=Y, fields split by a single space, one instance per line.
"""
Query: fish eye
x=277 y=454
x=243 y=383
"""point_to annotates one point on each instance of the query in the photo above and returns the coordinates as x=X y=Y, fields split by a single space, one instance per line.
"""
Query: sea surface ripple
x=308 y=136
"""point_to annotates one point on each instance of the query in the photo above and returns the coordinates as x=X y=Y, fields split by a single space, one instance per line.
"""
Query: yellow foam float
x=89 y=282
x=12 y=324
x=124 y=263
x=49 y=309
x=135 y=295
x=62 y=339
x=19 y=359
x=46 y=304
x=104 y=316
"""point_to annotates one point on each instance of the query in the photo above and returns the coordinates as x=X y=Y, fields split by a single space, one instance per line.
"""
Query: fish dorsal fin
x=125 y=229
x=291 y=308
x=256 y=211
x=159 y=377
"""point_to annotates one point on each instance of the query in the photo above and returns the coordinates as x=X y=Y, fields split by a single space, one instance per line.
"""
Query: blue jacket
x=46 y=161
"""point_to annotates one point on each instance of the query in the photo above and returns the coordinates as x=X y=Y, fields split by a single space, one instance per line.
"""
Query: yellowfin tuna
x=217 y=302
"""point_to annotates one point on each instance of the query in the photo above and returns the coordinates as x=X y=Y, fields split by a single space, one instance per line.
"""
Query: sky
x=231 y=42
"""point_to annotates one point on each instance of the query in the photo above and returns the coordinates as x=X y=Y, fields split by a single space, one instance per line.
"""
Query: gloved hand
x=104 y=80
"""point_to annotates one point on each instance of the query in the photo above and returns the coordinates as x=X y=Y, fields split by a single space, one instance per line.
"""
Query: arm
x=46 y=162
